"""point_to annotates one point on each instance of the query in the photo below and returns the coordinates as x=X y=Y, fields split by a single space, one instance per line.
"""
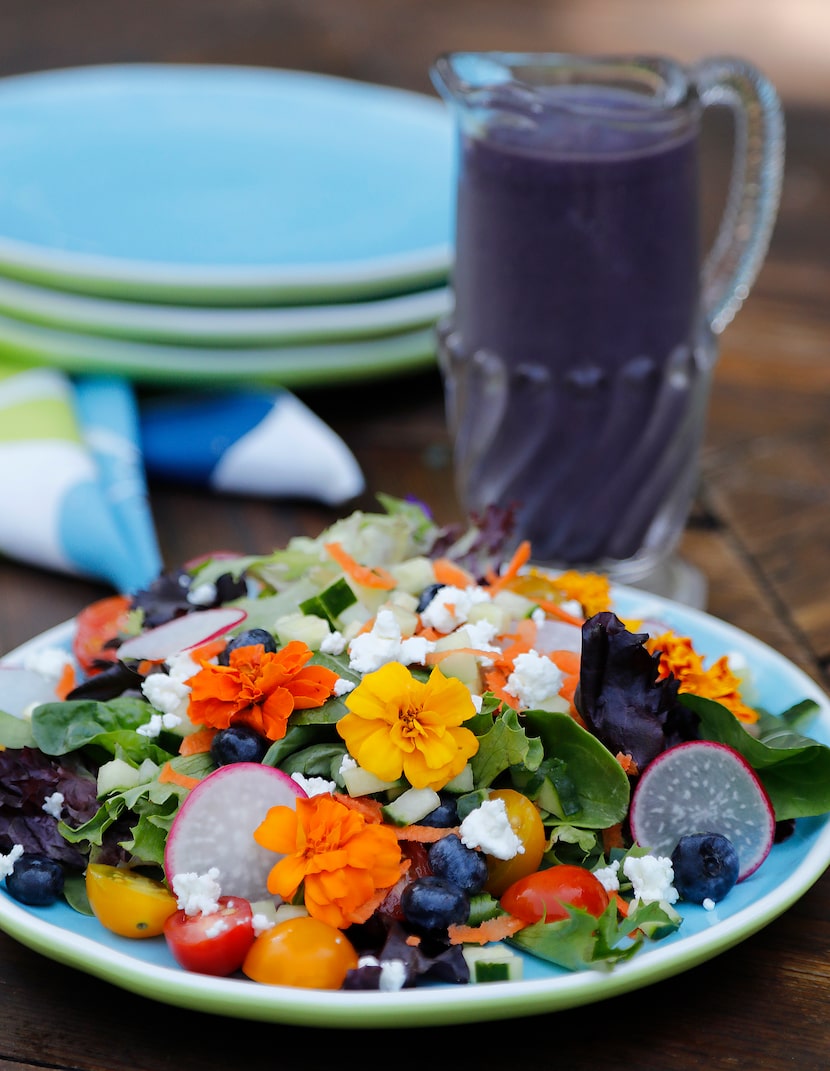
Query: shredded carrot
x=413 y=940
x=448 y=572
x=627 y=763
x=495 y=929
x=197 y=743
x=612 y=837
x=434 y=657
x=206 y=651
x=424 y=834
x=427 y=632
x=622 y=905
x=367 y=576
x=66 y=682
x=169 y=776
x=555 y=610
x=371 y=809
x=521 y=556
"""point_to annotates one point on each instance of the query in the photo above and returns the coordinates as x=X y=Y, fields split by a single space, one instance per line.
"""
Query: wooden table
x=759 y=534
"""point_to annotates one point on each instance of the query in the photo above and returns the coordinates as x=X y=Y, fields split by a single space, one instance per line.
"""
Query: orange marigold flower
x=591 y=590
x=344 y=861
x=259 y=688
x=399 y=725
x=679 y=658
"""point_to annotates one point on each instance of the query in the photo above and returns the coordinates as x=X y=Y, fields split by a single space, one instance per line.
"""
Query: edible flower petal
x=345 y=861
x=679 y=659
x=398 y=725
x=259 y=688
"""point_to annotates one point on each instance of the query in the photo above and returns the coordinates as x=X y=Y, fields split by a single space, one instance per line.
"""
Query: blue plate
x=792 y=866
x=222 y=184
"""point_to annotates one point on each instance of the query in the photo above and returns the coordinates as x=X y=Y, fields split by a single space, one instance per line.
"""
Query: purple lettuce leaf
x=620 y=697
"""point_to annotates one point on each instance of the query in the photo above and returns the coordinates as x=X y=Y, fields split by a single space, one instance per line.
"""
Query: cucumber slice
x=492 y=963
x=411 y=806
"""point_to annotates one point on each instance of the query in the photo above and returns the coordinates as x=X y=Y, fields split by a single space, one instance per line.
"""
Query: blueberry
x=427 y=595
x=705 y=867
x=465 y=867
x=248 y=638
x=432 y=903
x=36 y=880
x=238 y=743
x=444 y=816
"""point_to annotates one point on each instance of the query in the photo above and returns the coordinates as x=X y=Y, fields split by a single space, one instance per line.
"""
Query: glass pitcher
x=578 y=355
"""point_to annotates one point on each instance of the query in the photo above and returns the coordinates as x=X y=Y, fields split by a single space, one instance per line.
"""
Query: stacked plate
x=179 y=224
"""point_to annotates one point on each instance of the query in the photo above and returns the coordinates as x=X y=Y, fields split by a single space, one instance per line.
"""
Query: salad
x=390 y=755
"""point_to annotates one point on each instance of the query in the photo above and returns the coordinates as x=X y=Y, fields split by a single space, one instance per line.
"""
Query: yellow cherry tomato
x=128 y=903
x=527 y=824
x=303 y=952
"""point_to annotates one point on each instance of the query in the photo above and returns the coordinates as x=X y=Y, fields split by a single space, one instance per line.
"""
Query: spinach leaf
x=794 y=769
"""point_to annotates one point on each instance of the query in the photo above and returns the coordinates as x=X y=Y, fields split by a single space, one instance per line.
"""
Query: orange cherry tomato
x=126 y=902
x=543 y=895
x=527 y=824
x=303 y=952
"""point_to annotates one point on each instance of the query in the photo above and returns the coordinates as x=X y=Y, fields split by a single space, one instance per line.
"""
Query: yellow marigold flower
x=259 y=688
x=344 y=861
x=399 y=725
x=591 y=590
x=679 y=658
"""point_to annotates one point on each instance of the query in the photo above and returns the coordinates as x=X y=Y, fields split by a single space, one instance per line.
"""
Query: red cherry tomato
x=214 y=943
x=543 y=895
x=96 y=626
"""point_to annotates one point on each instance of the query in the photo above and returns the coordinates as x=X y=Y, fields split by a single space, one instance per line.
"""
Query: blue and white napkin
x=75 y=455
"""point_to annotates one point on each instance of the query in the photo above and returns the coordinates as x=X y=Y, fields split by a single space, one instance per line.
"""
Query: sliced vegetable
x=181 y=634
x=213 y=942
x=215 y=825
x=127 y=902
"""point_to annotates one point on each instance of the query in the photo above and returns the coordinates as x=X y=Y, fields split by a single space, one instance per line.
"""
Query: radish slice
x=182 y=633
x=215 y=827
x=22 y=688
x=703 y=787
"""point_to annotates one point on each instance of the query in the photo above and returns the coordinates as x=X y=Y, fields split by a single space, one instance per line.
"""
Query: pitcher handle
x=740 y=246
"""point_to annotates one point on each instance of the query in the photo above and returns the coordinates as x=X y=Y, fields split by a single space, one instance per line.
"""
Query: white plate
x=214 y=184
x=310 y=364
x=137 y=321
x=145 y=967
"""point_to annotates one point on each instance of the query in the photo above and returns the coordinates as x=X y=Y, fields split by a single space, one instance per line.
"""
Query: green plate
x=146 y=967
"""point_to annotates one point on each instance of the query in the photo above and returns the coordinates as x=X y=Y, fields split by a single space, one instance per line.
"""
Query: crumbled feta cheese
x=216 y=928
x=261 y=923
x=369 y=651
x=392 y=975
x=53 y=804
x=609 y=876
x=166 y=694
x=343 y=687
x=347 y=763
x=478 y=702
x=181 y=667
x=198 y=893
x=708 y=904
x=48 y=662
x=488 y=829
x=7 y=861
x=535 y=679
x=313 y=786
x=157 y=722
x=334 y=643
x=202 y=594
x=450 y=606
x=392 y=972
x=651 y=877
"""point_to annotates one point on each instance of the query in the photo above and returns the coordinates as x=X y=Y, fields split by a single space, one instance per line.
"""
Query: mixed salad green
x=460 y=735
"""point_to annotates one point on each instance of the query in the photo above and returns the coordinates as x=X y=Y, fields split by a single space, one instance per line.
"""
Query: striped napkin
x=75 y=456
